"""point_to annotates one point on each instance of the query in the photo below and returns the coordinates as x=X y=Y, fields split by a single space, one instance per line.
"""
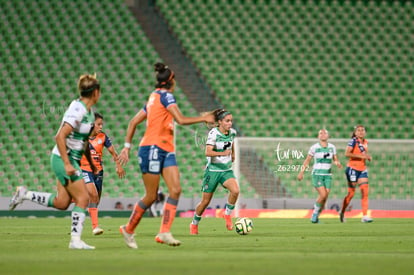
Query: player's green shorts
x=212 y=179
x=59 y=168
x=322 y=181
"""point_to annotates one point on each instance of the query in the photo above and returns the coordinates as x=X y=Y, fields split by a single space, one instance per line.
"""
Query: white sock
x=41 y=198
x=78 y=218
x=316 y=209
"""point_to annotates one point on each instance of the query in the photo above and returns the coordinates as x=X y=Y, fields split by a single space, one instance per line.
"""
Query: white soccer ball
x=243 y=226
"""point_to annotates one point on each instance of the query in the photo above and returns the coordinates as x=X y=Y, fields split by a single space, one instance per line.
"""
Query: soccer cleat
x=193 y=229
x=79 y=244
x=167 y=238
x=341 y=216
x=366 y=219
x=229 y=223
x=97 y=231
x=17 y=197
x=314 y=218
x=129 y=238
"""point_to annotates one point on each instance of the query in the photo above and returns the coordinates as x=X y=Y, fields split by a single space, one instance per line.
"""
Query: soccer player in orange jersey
x=156 y=154
x=356 y=171
x=97 y=141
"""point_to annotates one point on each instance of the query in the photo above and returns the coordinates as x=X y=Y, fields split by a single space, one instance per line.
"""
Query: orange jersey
x=160 y=123
x=358 y=147
x=96 y=145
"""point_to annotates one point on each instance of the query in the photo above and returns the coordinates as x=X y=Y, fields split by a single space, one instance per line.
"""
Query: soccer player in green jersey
x=324 y=154
x=220 y=157
x=71 y=143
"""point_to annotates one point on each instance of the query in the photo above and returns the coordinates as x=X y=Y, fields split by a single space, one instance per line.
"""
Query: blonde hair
x=87 y=83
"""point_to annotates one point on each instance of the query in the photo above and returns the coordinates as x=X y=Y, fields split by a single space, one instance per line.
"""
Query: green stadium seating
x=39 y=71
x=284 y=68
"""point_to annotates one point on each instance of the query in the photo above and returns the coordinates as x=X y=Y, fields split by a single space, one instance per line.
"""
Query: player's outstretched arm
x=184 y=120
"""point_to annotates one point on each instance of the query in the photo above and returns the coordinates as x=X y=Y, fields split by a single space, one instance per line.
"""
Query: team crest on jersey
x=99 y=141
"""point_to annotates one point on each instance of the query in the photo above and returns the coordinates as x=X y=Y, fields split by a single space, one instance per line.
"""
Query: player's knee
x=61 y=205
x=175 y=191
x=235 y=192
x=94 y=199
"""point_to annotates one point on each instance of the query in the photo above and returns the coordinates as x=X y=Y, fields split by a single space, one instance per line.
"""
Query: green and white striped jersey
x=82 y=122
x=323 y=158
x=221 y=142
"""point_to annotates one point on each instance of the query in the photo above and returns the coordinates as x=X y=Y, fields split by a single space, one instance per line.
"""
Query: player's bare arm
x=184 y=120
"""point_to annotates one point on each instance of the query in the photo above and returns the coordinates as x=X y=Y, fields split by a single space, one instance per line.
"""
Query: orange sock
x=347 y=199
x=136 y=215
x=93 y=213
x=364 y=198
x=170 y=209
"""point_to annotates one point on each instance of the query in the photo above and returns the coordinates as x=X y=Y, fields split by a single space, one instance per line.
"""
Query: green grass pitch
x=276 y=246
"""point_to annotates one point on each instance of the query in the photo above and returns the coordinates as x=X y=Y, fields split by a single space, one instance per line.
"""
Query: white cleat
x=17 y=197
x=129 y=238
x=97 y=231
x=79 y=244
x=167 y=238
x=366 y=219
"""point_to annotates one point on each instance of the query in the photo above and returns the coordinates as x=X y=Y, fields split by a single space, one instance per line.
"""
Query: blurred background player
x=71 y=143
x=97 y=141
x=323 y=154
x=356 y=172
x=156 y=154
x=220 y=157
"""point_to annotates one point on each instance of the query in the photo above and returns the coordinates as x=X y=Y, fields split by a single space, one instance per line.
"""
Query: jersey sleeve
x=211 y=138
x=74 y=115
x=233 y=132
x=352 y=143
x=167 y=99
x=311 y=151
x=108 y=142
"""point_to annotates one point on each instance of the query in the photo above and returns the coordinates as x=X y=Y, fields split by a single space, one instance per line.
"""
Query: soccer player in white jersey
x=71 y=143
x=220 y=157
x=324 y=154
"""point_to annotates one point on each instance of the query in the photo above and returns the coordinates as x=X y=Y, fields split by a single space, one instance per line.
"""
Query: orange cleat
x=229 y=223
x=193 y=229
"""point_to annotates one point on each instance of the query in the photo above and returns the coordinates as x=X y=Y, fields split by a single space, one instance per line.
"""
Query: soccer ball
x=243 y=226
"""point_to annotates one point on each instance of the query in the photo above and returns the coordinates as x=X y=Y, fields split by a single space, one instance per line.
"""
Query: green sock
x=196 y=219
x=229 y=208
x=50 y=200
x=317 y=208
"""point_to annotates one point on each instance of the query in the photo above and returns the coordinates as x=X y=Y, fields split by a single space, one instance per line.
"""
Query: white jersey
x=323 y=158
x=221 y=142
x=82 y=122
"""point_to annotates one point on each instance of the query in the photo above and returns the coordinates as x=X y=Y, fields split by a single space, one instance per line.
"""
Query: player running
x=323 y=154
x=97 y=142
x=156 y=155
x=71 y=144
x=356 y=172
x=220 y=157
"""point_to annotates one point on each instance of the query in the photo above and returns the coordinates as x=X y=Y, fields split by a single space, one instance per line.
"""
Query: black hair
x=164 y=76
x=98 y=115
